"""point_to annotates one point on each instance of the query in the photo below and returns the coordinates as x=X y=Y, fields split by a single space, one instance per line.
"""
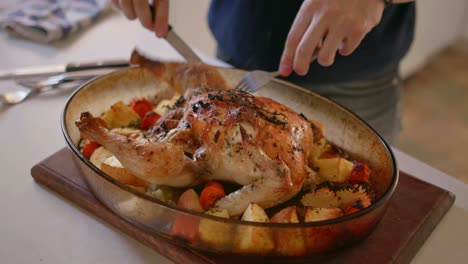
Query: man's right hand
x=140 y=9
x=328 y=27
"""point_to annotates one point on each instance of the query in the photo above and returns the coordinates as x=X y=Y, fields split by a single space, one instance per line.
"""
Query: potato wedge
x=186 y=226
x=219 y=212
x=321 y=237
x=249 y=239
x=321 y=146
x=191 y=201
x=99 y=156
x=164 y=105
x=164 y=193
x=216 y=233
x=334 y=169
x=116 y=170
x=121 y=115
x=255 y=213
x=289 y=243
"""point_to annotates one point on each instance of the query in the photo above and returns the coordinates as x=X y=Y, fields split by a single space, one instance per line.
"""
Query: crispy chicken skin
x=181 y=75
x=217 y=134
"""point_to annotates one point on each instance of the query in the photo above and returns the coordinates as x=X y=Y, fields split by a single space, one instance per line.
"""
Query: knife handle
x=96 y=65
x=153 y=16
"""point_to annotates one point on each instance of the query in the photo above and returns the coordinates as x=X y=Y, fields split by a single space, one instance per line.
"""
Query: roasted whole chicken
x=214 y=133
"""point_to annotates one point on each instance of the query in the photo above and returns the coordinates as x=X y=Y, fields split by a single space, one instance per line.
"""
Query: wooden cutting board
x=414 y=211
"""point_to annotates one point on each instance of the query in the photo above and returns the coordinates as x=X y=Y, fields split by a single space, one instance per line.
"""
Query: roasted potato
x=164 y=193
x=121 y=115
x=191 y=201
x=334 y=169
x=250 y=239
x=165 y=105
x=319 y=148
x=288 y=243
x=219 y=212
x=186 y=226
x=329 y=163
x=99 y=156
x=213 y=232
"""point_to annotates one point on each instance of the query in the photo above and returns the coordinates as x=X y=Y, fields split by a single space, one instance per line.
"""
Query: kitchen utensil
x=14 y=97
x=82 y=75
x=254 y=80
x=181 y=47
x=47 y=70
x=18 y=96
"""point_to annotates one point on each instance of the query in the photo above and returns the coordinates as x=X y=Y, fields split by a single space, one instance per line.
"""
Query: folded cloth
x=50 y=20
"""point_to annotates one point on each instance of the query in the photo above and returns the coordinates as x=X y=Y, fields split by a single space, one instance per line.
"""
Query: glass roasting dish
x=218 y=235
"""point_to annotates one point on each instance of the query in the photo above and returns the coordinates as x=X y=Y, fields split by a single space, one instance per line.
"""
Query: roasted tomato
x=356 y=206
x=212 y=191
x=89 y=147
x=360 y=173
x=149 y=119
x=141 y=106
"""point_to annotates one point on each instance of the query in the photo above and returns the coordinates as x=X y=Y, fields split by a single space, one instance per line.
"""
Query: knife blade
x=177 y=42
x=44 y=71
x=181 y=47
x=52 y=80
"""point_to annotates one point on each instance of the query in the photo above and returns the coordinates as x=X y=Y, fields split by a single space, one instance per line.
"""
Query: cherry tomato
x=360 y=173
x=141 y=106
x=212 y=192
x=89 y=147
x=356 y=205
x=149 y=119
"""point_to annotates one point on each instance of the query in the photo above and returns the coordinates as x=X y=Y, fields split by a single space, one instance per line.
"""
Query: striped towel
x=50 y=20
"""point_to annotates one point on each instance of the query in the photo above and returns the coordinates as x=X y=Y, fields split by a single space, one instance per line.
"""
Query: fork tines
x=254 y=80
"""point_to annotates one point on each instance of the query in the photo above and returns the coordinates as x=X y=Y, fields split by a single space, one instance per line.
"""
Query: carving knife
x=178 y=43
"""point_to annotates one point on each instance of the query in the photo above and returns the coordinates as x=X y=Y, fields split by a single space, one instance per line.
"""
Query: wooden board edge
x=429 y=224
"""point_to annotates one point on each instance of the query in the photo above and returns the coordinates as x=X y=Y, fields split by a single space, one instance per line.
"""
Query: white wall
x=439 y=23
x=190 y=20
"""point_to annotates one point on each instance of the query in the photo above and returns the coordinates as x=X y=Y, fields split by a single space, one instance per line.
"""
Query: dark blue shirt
x=251 y=35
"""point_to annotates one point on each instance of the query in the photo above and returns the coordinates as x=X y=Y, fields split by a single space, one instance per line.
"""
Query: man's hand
x=140 y=8
x=325 y=26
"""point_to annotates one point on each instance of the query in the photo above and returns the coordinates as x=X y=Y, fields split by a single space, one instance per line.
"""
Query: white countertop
x=39 y=226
